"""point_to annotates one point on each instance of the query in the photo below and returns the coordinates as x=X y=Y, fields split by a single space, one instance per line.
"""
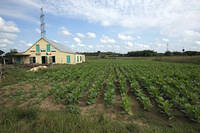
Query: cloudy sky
x=105 y=25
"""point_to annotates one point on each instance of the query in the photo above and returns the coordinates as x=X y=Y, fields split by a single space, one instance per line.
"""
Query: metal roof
x=21 y=54
x=61 y=47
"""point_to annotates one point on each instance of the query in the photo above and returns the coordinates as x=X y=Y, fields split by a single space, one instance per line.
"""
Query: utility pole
x=0 y=72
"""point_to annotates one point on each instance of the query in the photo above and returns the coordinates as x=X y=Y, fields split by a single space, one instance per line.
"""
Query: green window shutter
x=68 y=59
x=37 y=48
x=48 y=47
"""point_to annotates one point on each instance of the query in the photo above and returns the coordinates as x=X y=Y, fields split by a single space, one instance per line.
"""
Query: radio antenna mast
x=42 y=25
x=167 y=46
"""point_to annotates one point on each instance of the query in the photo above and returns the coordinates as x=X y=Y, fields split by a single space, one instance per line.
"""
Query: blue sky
x=105 y=25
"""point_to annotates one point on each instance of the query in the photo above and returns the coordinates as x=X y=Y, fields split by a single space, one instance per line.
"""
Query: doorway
x=18 y=60
x=44 y=60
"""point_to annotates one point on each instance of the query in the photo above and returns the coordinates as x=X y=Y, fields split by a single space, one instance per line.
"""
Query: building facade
x=48 y=52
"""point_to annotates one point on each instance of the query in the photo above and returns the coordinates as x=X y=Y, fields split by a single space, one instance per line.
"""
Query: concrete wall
x=61 y=57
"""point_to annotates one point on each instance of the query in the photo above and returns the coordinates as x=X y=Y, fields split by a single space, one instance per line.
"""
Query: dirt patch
x=49 y=104
x=27 y=102
x=27 y=87
x=11 y=89
x=83 y=99
x=86 y=110
x=6 y=102
x=99 y=108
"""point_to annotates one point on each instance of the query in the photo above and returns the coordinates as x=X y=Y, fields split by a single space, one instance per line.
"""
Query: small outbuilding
x=48 y=52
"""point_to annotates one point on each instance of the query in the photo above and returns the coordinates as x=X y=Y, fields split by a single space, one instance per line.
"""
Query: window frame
x=32 y=60
x=77 y=59
x=53 y=59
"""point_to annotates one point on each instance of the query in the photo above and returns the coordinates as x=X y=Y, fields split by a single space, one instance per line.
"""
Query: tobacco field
x=165 y=88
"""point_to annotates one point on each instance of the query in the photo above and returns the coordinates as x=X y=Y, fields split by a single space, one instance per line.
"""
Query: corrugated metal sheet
x=61 y=47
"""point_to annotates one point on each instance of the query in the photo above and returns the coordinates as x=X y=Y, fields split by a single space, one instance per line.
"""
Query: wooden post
x=1 y=72
x=4 y=60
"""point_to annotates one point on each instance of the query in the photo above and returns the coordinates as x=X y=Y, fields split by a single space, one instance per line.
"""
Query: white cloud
x=8 y=26
x=38 y=30
x=191 y=33
x=198 y=43
x=65 y=32
x=8 y=30
x=143 y=46
x=21 y=9
x=100 y=46
x=76 y=39
x=3 y=45
x=80 y=35
x=124 y=37
x=55 y=41
x=106 y=39
x=29 y=44
x=32 y=3
x=170 y=16
x=81 y=45
x=160 y=45
x=90 y=46
x=189 y=36
x=136 y=46
x=6 y=41
x=109 y=46
x=165 y=40
x=178 y=19
x=22 y=42
x=138 y=37
x=17 y=13
x=10 y=36
x=73 y=46
x=130 y=44
x=91 y=35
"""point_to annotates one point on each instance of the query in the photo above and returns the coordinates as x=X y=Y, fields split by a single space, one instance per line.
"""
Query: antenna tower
x=42 y=25
x=167 y=46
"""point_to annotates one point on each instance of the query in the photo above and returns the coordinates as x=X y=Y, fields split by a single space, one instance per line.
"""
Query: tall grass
x=28 y=119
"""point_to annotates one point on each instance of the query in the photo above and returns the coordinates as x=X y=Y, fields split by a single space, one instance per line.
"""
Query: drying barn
x=46 y=52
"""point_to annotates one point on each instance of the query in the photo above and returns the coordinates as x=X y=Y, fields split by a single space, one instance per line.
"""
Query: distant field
x=118 y=95
x=180 y=59
x=176 y=59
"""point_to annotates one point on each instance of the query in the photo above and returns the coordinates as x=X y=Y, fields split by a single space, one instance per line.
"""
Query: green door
x=18 y=60
x=68 y=59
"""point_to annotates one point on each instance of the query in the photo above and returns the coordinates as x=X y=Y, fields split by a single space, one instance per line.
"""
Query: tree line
x=143 y=53
x=7 y=57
